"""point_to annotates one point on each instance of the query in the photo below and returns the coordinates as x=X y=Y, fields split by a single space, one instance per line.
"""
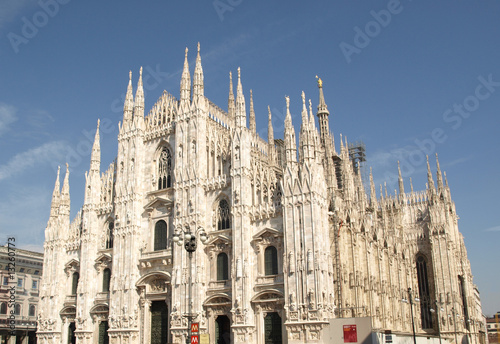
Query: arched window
x=165 y=169
x=109 y=235
x=106 y=279
x=3 y=308
x=32 y=311
x=223 y=215
x=271 y=261
x=424 y=293
x=222 y=267
x=17 y=309
x=74 y=284
x=160 y=236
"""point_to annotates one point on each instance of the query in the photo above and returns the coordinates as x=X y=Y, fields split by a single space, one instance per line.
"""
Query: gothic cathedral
x=200 y=220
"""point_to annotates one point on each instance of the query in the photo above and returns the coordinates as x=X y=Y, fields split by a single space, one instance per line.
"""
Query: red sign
x=194 y=327
x=194 y=340
x=350 y=334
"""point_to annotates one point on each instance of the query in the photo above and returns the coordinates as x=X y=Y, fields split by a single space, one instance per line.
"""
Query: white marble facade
x=293 y=238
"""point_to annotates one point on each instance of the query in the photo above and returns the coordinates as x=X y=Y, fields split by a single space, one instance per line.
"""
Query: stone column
x=64 y=330
x=147 y=321
x=259 y=325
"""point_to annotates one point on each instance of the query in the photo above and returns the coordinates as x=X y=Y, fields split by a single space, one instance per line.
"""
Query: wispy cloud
x=407 y=155
x=386 y=160
x=456 y=161
x=39 y=119
x=10 y=9
x=493 y=229
x=7 y=116
x=43 y=154
x=28 y=230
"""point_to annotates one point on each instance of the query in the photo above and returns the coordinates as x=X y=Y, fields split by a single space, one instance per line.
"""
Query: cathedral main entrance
x=272 y=328
x=159 y=322
x=222 y=330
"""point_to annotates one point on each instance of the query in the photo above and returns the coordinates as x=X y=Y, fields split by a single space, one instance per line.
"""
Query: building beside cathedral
x=287 y=238
x=20 y=276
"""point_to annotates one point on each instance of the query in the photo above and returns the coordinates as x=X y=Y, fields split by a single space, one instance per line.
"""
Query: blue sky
x=408 y=78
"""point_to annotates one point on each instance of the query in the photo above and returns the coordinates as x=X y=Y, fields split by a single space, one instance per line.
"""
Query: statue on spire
x=320 y=82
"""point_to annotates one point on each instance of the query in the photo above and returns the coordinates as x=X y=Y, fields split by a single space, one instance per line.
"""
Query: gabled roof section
x=158 y=201
x=163 y=112
x=218 y=236
x=104 y=257
x=269 y=231
x=72 y=263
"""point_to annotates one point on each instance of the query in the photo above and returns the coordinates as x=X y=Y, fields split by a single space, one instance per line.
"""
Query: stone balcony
x=155 y=260
x=270 y=281
x=102 y=297
x=219 y=286
x=70 y=300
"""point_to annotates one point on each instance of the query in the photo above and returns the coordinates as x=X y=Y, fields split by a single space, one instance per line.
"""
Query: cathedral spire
x=230 y=102
x=185 y=80
x=65 y=199
x=139 y=99
x=429 y=176
x=253 y=127
x=411 y=186
x=373 y=193
x=322 y=114
x=95 y=158
x=312 y=124
x=55 y=195
x=288 y=116
x=198 y=87
x=241 y=115
x=400 y=181
x=305 y=117
x=314 y=132
x=305 y=138
x=270 y=131
x=290 y=144
x=128 y=106
x=439 y=175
